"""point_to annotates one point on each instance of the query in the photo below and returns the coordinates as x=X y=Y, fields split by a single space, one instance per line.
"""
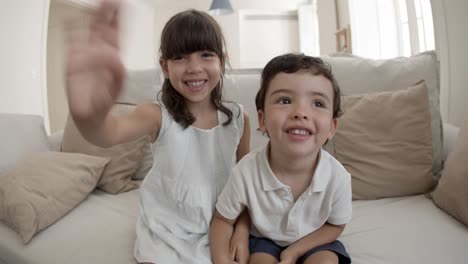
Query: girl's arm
x=221 y=230
x=94 y=79
x=239 y=246
x=244 y=145
x=324 y=235
x=113 y=130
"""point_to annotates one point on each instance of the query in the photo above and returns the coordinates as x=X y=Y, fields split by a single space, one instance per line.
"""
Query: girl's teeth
x=197 y=83
x=302 y=132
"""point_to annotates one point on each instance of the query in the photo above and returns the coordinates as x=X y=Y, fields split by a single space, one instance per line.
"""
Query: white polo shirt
x=273 y=211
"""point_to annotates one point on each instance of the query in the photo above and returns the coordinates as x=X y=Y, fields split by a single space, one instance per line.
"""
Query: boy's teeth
x=196 y=83
x=302 y=132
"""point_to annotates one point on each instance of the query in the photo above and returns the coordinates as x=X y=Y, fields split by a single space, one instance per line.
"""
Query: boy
x=298 y=196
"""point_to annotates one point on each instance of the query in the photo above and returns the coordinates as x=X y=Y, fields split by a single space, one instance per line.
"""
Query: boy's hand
x=95 y=73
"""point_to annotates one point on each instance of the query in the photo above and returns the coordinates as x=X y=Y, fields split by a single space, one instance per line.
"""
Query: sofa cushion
x=21 y=135
x=451 y=193
x=147 y=161
x=384 y=141
x=42 y=188
x=125 y=158
x=357 y=76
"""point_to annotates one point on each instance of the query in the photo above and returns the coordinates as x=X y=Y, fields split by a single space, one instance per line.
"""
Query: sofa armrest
x=55 y=141
x=450 y=133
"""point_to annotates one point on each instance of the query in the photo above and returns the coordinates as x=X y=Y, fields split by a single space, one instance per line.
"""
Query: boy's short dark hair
x=291 y=63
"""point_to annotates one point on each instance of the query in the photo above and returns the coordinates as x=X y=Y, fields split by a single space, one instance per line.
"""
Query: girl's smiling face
x=193 y=75
x=298 y=113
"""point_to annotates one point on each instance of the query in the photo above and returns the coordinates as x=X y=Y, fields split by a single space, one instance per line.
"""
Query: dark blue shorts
x=265 y=245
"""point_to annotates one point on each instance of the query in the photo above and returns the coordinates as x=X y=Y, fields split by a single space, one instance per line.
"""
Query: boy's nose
x=300 y=115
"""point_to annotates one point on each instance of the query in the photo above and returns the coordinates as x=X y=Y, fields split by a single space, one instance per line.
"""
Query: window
x=384 y=29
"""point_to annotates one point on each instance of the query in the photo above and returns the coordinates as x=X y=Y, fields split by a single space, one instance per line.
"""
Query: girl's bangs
x=185 y=39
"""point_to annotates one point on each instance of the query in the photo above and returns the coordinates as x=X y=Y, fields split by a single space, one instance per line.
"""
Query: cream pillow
x=147 y=160
x=451 y=193
x=39 y=190
x=384 y=141
x=359 y=76
x=125 y=159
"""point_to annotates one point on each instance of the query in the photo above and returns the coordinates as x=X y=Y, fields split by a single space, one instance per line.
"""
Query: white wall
x=453 y=42
x=23 y=24
x=450 y=21
x=229 y=23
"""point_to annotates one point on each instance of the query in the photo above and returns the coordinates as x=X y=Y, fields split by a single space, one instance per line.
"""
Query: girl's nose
x=193 y=65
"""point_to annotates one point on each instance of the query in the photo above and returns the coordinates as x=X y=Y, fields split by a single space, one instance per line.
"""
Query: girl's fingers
x=105 y=23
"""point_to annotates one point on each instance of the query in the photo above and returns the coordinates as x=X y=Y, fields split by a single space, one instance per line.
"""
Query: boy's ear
x=164 y=67
x=261 y=121
x=333 y=127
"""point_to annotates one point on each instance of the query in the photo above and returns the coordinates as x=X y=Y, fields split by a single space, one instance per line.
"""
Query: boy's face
x=298 y=113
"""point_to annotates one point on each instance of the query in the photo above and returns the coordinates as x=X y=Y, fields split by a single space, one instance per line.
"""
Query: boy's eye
x=177 y=57
x=318 y=104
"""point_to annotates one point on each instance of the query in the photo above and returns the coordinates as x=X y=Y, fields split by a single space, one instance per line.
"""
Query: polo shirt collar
x=319 y=181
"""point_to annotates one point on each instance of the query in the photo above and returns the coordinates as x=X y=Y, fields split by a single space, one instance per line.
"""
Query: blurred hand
x=94 y=70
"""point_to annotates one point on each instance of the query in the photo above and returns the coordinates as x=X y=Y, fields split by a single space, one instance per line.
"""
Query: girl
x=197 y=137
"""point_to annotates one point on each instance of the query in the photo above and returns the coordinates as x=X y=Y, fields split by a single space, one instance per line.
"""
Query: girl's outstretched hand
x=94 y=70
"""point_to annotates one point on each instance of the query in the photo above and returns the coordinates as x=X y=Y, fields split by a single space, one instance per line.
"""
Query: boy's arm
x=324 y=235
x=221 y=230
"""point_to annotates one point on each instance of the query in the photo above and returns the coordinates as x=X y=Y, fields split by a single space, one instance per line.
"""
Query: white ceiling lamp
x=220 y=7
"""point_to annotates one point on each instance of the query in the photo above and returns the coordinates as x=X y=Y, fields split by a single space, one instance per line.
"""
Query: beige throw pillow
x=147 y=160
x=39 y=190
x=124 y=159
x=358 y=76
x=451 y=194
x=384 y=141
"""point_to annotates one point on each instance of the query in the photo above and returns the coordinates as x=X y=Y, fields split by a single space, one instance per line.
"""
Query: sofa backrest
x=355 y=75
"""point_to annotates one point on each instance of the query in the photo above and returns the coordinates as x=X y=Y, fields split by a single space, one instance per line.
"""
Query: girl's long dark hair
x=184 y=33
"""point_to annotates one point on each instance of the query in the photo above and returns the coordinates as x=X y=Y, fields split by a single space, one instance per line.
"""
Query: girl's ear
x=164 y=67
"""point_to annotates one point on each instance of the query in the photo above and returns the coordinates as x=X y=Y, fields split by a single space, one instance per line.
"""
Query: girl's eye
x=208 y=54
x=284 y=100
x=177 y=58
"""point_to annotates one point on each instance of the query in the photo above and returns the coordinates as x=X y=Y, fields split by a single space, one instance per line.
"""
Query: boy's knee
x=323 y=257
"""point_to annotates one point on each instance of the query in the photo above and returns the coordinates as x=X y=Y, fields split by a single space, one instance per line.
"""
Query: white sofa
x=403 y=229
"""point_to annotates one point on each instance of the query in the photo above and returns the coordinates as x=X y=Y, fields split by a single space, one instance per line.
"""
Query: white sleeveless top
x=179 y=193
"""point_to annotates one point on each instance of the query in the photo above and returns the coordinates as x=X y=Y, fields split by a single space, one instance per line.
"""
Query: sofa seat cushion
x=100 y=230
x=408 y=229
